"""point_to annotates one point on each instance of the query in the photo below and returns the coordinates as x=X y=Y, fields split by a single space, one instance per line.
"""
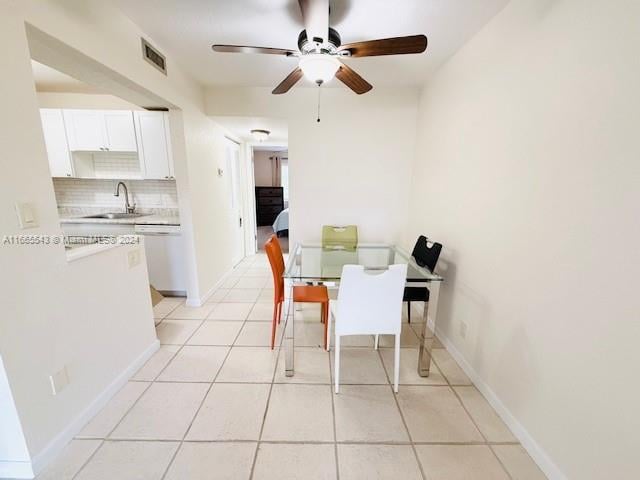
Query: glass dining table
x=315 y=264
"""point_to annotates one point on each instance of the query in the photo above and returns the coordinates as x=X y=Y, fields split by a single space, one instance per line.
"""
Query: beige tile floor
x=214 y=403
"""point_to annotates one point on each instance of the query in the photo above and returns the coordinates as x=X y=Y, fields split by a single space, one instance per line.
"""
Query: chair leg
x=279 y=313
x=375 y=342
x=396 y=364
x=337 y=364
x=408 y=312
x=274 y=323
x=325 y=320
x=328 y=330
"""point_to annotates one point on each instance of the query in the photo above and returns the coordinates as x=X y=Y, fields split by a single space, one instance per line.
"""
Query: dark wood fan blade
x=352 y=80
x=315 y=14
x=246 y=49
x=288 y=82
x=387 y=46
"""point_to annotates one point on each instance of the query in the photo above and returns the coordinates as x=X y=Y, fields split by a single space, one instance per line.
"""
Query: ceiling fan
x=320 y=49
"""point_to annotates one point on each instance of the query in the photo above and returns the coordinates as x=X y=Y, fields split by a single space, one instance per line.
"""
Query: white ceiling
x=241 y=128
x=48 y=79
x=186 y=29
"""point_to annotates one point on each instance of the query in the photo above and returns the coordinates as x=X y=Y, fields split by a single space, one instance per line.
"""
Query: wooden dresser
x=269 y=203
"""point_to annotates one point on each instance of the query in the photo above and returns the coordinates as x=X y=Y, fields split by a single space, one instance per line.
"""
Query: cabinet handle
x=68 y=174
x=166 y=176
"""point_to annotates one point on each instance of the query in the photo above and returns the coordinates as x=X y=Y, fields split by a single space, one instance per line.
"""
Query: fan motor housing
x=307 y=46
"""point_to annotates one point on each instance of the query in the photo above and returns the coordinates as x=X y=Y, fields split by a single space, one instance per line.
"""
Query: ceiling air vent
x=153 y=56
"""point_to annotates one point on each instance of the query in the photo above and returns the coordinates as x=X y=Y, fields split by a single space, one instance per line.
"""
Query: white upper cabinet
x=55 y=139
x=100 y=130
x=85 y=129
x=154 y=144
x=119 y=131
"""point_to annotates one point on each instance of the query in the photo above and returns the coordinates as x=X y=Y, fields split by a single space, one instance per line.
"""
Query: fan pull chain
x=319 y=89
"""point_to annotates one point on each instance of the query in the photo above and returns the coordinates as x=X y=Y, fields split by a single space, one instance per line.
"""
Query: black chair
x=424 y=256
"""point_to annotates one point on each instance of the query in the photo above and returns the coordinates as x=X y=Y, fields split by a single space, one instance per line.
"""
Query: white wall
x=58 y=313
x=528 y=171
x=262 y=168
x=83 y=100
x=352 y=168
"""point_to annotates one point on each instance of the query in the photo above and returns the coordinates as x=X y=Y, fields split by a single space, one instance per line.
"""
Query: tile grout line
x=299 y=442
x=195 y=415
x=155 y=380
x=106 y=437
x=84 y=464
x=475 y=424
x=103 y=440
x=404 y=422
x=333 y=407
x=273 y=382
x=266 y=409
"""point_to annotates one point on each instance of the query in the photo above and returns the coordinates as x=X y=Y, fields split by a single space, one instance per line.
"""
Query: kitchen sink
x=117 y=215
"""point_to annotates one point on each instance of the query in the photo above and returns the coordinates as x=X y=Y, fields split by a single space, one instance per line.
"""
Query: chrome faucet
x=128 y=208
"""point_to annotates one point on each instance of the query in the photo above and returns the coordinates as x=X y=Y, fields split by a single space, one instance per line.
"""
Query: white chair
x=369 y=303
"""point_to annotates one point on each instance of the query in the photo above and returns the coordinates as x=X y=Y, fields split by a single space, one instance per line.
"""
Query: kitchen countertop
x=150 y=219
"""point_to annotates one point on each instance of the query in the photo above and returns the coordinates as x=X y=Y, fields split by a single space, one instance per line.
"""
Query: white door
x=55 y=140
x=85 y=130
x=236 y=220
x=119 y=131
x=153 y=144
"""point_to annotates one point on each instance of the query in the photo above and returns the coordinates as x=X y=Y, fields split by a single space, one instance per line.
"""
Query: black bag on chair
x=426 y=257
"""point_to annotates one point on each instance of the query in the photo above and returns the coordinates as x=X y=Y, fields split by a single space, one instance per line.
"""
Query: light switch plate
x=26 y=215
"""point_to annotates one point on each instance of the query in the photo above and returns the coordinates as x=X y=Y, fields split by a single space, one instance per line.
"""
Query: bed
x=281 y=225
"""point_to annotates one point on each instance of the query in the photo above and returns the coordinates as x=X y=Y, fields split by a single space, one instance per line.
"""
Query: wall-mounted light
x=260 y=135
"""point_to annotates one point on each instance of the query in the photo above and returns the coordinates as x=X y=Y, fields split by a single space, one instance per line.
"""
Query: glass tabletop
x=313 y=262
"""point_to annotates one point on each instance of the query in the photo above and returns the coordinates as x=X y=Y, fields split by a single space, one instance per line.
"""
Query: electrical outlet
x=59 y=380
x=133 y=257
x=463 y=329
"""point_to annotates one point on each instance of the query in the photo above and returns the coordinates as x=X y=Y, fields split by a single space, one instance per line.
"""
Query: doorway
x=235 y=212
x=271 y=179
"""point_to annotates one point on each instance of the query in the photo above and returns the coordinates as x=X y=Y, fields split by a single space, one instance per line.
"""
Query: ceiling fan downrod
x=319 y=83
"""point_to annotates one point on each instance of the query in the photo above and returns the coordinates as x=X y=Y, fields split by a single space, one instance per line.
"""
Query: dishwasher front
x=166 y=259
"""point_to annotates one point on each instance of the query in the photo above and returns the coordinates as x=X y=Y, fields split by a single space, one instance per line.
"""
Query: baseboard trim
x=537 y=453
x=55 y=446
x=198 y=302
x=17 y=470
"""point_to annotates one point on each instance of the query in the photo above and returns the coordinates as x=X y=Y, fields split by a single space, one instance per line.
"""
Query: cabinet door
x=154 y=148
x=119 y=131
x=85 y=130
x=55 y=139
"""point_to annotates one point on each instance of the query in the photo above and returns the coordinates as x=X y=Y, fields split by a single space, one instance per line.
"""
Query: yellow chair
x=335 y=236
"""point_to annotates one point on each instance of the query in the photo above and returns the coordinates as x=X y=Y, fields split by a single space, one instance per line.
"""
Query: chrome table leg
x=426 y=344
x=288 y=330
x=427 y=336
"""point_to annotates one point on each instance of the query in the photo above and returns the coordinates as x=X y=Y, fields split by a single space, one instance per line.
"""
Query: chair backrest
x=370 y=301
x=276 y=260
x=346 y=236
x=425 y=255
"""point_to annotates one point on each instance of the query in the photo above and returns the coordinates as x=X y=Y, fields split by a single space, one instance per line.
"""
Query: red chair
x=302 y=293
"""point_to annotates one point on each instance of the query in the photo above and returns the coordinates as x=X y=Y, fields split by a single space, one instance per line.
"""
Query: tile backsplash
x=98 y=193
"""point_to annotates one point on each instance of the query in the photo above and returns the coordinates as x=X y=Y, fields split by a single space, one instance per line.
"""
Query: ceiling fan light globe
x=318 y=67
